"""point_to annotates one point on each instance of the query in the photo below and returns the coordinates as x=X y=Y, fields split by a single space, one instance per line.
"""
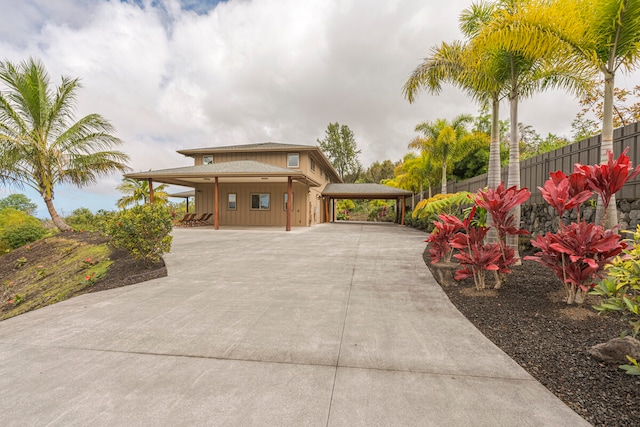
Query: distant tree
x=379 y=171
x=137 y=192
x=20 y=202
x=41 y=144
x=339 y=145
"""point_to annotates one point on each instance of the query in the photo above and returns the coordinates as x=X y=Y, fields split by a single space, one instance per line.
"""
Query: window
x=261 y=202
x=313 y=164
x=286 y=198
x=207 y=160
x=232 y=202
x=293 y=160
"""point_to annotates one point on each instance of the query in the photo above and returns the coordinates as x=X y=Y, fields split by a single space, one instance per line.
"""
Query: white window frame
x=207 y=157
x=291 y=156
x=235 y=201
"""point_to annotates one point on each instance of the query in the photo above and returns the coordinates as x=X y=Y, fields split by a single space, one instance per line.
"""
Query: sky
x=177 y=74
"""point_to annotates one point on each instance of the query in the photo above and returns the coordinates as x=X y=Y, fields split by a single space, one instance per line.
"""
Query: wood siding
x=244 y=215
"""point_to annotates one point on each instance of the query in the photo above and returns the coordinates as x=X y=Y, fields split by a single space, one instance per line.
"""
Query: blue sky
x=176 y=74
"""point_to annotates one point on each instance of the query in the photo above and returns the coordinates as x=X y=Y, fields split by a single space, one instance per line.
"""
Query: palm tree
x=598 y=35
x=446 y=141
x=41 y=144
x=482 y=80
x=138 y=192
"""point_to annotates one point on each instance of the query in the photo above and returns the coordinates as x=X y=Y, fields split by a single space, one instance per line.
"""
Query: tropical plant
x=446 y=142
x=442 y=203
x=41 y=144
x=138 y=191
x=596 y=35
x=620 y=290
x=439 y=241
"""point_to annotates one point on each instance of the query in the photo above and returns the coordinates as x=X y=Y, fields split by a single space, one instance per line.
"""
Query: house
x=252 y=184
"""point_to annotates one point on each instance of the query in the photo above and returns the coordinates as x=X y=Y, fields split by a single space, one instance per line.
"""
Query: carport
x=333 y=192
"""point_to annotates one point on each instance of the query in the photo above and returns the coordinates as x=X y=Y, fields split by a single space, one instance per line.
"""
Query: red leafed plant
x=499 y=203
x=577 y=254
x=608 y=178
x=443 y=232
x=475 y=256
x=565 y=193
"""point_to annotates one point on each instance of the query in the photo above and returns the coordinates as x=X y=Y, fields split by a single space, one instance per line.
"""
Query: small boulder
x=616 y=350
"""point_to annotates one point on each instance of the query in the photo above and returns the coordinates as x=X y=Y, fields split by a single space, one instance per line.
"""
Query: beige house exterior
x=251 y=184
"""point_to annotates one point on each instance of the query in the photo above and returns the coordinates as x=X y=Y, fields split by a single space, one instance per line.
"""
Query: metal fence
x=535 y=171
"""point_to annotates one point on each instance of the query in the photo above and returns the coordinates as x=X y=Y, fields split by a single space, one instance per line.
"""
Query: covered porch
x=239 y=178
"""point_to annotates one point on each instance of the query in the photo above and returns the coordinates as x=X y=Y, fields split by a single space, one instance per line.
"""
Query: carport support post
x=289 y=197
x=403 y=207
x=216 y=209
x=150 y=191
x=326 y=209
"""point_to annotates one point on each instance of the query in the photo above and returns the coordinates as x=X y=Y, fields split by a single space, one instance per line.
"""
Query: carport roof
x=363 y=191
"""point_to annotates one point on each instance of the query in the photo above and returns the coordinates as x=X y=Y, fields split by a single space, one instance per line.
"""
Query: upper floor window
x=207 y=159
x=313 y=164
x=293 y=160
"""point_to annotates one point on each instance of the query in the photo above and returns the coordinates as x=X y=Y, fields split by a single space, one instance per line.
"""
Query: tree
x=378 y=172
x=41 y=144
x=19 y=202
x=450 y=63
x=339 y=145
x=446 y=141
x=136 y=192
x=597 y=35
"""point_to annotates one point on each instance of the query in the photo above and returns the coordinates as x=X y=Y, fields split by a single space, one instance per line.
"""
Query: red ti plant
x=475 y=256
x=577 y=254
x=565 y=193
x=499 y=203
x=443 y=232
x=608 y=178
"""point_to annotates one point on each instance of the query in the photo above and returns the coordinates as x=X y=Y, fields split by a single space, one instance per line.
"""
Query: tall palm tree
x=136 y=192
x=482 y=80
x=446 y=141
x=41 y=144
x=599 y=35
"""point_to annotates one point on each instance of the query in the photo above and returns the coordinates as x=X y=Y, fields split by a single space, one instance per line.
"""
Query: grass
x=44 y=274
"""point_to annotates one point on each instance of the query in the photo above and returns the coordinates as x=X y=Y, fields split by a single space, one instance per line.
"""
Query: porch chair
x=196 y=221
x=204 y=219
x=184 y=221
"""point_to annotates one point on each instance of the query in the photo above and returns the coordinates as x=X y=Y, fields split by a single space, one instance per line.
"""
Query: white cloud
x=248 y=71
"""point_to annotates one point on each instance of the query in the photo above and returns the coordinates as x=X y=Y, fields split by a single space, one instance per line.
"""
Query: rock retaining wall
x=538 y=219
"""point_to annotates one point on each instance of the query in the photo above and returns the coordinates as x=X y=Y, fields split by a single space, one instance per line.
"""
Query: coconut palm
x=599 y=35
x=136 y=192
x=41 y=144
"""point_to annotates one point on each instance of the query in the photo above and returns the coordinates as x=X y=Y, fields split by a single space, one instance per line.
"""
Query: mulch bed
x=529 y=320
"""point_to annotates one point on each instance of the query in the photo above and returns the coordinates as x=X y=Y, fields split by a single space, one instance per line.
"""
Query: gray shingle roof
x=363 y=190
x=263 y=146
x=238 y=167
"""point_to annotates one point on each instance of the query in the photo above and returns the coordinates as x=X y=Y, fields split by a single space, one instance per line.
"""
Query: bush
x=143 y=231
x=82 y=219
x=22 y=234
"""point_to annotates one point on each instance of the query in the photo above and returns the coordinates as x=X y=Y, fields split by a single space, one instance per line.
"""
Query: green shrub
x=82 y=219
x=22 y=234
x=143 y=231
x=620 y=290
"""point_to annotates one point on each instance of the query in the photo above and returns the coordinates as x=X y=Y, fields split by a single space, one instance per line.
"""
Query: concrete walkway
x=338 y=325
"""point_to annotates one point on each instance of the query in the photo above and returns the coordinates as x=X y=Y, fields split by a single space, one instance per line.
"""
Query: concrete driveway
x=338 y=325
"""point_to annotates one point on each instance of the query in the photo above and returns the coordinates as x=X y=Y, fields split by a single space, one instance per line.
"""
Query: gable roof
x=363 y=191
x=263 y=146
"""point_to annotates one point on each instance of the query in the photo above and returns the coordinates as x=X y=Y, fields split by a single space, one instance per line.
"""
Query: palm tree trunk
x=443 y=189
x=611 y=215
x=514 y=165
x=494 y=150
x=493 y=174
x=57 y=219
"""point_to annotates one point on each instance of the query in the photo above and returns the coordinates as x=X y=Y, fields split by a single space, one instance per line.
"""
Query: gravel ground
x=529 y=321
